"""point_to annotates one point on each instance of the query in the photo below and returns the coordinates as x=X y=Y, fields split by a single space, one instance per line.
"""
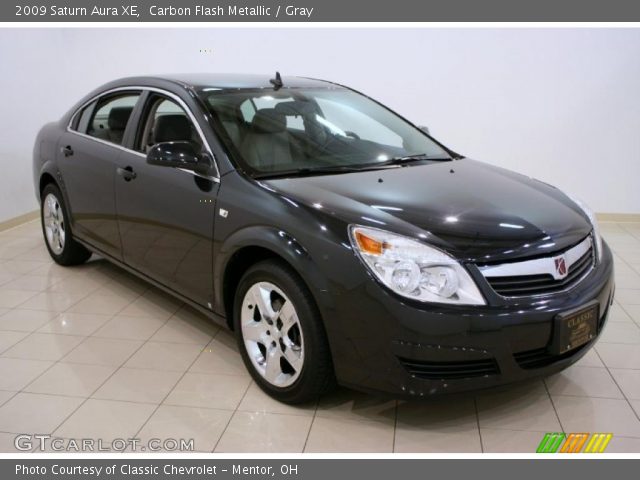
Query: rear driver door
x=88 y=154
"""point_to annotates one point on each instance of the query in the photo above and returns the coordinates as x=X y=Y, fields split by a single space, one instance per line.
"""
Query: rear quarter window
x=82 y=118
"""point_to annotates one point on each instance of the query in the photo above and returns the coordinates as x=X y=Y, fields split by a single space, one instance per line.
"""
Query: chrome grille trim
x=540 y=276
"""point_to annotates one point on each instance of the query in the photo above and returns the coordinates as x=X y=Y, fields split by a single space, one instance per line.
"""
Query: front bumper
x=385 y=344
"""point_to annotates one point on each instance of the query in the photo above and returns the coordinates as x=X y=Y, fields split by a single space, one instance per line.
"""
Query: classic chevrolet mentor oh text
x=340 y=242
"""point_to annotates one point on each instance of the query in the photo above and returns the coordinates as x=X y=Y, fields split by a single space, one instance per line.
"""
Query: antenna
x=276 y=82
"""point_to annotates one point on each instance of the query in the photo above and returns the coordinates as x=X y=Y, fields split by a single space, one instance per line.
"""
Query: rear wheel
x=55 y=226
x=280 y=334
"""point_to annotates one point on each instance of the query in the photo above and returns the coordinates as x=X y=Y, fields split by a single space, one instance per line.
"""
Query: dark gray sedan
x=342 y=243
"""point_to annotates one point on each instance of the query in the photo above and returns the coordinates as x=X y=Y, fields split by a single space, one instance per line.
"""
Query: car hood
x=475 y=211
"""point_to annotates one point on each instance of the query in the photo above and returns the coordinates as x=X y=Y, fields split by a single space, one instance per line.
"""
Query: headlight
x=413 y=269
x=594 y=223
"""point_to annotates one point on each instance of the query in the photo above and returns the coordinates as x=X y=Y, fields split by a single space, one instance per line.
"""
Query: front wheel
x=280 y=334
x=55 y=226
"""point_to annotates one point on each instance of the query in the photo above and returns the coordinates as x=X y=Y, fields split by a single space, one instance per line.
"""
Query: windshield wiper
x=406 y=159
x=333 y=169
x=307 y=171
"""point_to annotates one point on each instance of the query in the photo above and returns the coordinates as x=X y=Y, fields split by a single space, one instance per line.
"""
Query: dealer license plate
x=575 y=328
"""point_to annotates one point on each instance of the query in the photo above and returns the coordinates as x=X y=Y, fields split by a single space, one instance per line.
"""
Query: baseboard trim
x=618 y=217
x=14 y=222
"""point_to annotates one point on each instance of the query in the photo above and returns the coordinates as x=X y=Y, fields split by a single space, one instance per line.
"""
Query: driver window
x=167 y=121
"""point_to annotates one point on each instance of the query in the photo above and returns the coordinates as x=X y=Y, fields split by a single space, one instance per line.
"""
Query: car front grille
x=451 y=370
x=540 y=276
x=537 y=284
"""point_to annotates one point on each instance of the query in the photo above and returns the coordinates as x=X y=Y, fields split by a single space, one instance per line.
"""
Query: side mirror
x=179 y=155
x=424 y=129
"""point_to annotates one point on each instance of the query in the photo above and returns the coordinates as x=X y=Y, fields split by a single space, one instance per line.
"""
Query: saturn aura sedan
x=340 y=242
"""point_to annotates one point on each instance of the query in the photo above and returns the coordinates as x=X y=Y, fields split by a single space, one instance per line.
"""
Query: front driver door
x=165 y=214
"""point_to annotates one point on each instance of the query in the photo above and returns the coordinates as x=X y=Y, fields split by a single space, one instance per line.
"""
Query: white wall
x=559 y=105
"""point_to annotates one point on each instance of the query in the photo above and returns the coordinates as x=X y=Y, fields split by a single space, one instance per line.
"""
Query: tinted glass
x=293 y=129
x=111 y=116
x=166 y=121
x=83 y=118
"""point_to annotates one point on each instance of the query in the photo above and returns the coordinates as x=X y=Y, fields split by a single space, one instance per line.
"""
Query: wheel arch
x=45 y=179
x=252 y=245
x=50 y=174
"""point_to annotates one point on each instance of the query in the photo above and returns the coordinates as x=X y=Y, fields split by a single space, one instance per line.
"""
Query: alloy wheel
x=272 y=334
x=54 y=225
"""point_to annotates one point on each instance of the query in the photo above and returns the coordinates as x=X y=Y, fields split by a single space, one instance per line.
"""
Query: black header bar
x=319 y=11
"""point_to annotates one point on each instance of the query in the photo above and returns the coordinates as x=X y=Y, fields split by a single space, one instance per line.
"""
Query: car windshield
x=305 y=130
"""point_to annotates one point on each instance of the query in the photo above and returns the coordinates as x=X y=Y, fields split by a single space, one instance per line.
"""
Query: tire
x=54 y=218
x=276 y=320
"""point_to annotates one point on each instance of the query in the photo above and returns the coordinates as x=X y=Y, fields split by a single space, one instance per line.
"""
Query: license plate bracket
x=574 y=328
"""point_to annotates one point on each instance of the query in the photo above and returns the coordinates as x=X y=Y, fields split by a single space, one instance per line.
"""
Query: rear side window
x=110 y=117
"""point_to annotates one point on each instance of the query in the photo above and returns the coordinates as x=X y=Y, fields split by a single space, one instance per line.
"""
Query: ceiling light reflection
x=511 y=225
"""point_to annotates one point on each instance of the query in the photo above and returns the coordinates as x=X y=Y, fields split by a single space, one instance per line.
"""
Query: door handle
x=67 y=151
x=127 y=173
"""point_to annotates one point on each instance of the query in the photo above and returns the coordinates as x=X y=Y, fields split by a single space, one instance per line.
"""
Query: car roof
x=230 y=81
x=189 y=81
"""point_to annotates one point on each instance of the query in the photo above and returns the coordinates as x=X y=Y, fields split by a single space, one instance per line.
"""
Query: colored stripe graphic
x=550 y=442
x=574 y=442
x=598 y=443
x=557 y=442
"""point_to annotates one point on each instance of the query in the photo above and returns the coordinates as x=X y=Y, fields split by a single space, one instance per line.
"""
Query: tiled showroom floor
x=93 y=352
